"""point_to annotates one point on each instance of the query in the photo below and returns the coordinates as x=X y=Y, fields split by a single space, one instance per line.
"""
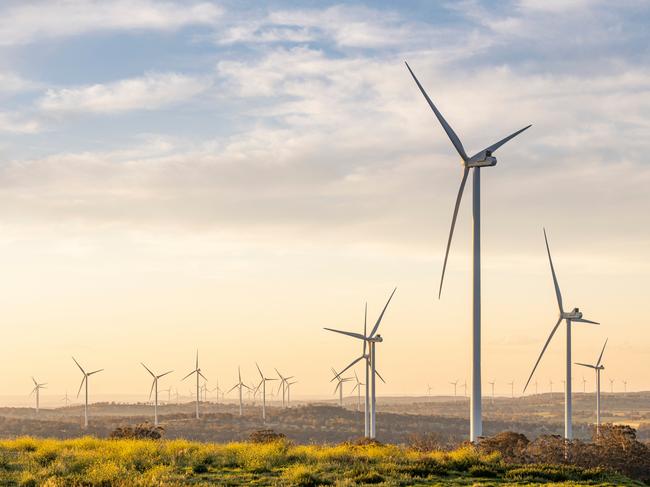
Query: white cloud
x=27 y=21
x=18 y=124
x=148 y=92
x=14 y=83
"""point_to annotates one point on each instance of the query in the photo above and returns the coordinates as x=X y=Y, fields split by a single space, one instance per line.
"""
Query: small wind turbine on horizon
x=154 y=387
x=339 y=385
x=454 y=383
x=492 y=386
x=262 y=384
x=66 y=399
x=598 y=367
x=240 y=384
x=358 y=385
x=512 y=389
x=574 y=316
x=37 y=389
x=283 y=385
x=584 y=384
x=289 y=384
x=370 y=357
x=484 y=158
x=611 y=386
x=198 y=373
x=85 y=381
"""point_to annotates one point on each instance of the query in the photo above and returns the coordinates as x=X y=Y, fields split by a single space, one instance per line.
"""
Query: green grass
x=94 y=462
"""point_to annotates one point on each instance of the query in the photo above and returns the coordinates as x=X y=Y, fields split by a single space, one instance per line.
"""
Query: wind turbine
x=241 y=385
x=369 y=342
x=66 y=399
x=339 y=385
x=169 y=394
x=262 y=384
x=481 y=159
x=289 y=384
x=465 y=389
x=550 y=383
x=429 y=389
x=624 y=387
x=611 y=386
x=512 y=389
x=85 y=381
x=283 y=384
x=358 y=385
x=570 y=317
x=37 y=389
x=535 y=387
x=154 y=387
x=584 y=384
x=598 y=367
x=492 y=386
x=455 y=383
x=198 y=373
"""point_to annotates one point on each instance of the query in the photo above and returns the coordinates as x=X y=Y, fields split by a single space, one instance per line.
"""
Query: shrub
x=142 y=431
x=302 y=476
x=265 y=436
x=483 y=471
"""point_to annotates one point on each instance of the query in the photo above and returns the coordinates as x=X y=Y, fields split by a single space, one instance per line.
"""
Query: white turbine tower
x=570 y=317
x=492 y=385
x=455 y=384
x=369 y=341
x=154 y=388
x=85 y=381
x=357 y=386
x=198 y=373
x=339 y=385
x=262 y=384
x=283 y=386
x=512 y=389
x=37 y=390
x=289 y=384
x=239 y=385
x=481 y=159
x=598 y=367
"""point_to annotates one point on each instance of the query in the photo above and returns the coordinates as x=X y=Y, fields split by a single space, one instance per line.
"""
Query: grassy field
x=90 y=461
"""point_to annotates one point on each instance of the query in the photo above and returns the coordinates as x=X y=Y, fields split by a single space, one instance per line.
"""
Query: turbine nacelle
x=574 y=314
x=375 y=339
x=482 y=159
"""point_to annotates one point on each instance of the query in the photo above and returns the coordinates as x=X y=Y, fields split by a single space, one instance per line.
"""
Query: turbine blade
x=450 y=132
x=148 y=370
x=351 y=364
x=80 y=367
x=81 y=385
x=153 y=383
x=494 y=147
x=166 y=373
x=601 y=353
x=379 y=375
x=582 y=320
x=232 y=389
x=558 y=294
x=34 y=381
x=197 y=360
x=585 y=365
x=348 y=333
x=381 y=316
x=543 y=350
x=259 y=370
x=202 y=376
x=95 y=371
x=338 y=384
x=459 y=197
x=239 y=373
x=188 y=375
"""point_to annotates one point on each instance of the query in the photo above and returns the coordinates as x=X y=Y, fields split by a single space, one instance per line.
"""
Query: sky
x=234 y=176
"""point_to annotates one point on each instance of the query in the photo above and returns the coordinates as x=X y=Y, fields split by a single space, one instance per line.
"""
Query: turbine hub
x=376 y=339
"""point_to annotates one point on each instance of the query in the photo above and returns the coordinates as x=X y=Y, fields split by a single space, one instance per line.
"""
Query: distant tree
x=142 y=431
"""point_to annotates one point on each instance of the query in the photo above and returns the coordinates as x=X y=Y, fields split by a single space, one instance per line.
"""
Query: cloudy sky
x=236 y=175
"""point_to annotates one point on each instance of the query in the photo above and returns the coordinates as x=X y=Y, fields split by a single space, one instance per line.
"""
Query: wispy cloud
x=148 y=92
x=23 y=22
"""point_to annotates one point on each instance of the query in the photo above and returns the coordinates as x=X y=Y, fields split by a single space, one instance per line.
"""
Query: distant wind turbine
x=584 y=384
x=454 y=383
x=240 y=384
x=339 y=385
x=465 y=389
x=570 y=317
x=66 y=399
x=624 y=387
x=198 y=373
x=598 y=367
x=85 y=381
x=483 y=158
x=37 y=390
x=262 y=384
x=283 y=385
x=611 y=386
x=370 y=357
x=358 y=385
x=289 y=384
x=512 y=389
x=154 y=388
x=492 y=385
x=429 y=389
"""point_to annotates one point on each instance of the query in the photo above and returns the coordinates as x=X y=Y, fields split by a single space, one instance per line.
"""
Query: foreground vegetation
x=107 y=462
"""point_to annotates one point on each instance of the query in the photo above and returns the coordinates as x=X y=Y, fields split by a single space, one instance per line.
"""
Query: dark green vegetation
x=95 y=462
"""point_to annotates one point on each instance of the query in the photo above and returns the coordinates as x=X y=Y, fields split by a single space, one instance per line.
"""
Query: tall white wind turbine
x=598 y=367
x=154 y=388
x=85 y=381
x=369 y=342
x=481 y=159
x=37 y=390
x=197 y=371
x=574 y=316
x=240 y=384
x=262 y=385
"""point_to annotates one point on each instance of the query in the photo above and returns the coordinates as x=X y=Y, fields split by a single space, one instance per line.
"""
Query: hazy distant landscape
x=398 y=418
